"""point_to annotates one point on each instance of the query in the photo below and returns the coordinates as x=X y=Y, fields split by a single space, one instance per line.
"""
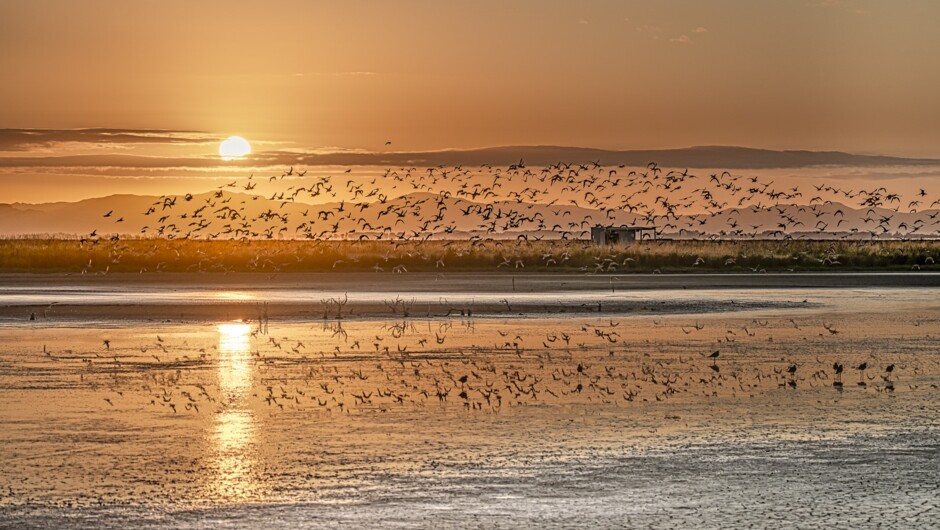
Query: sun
x=234 y=147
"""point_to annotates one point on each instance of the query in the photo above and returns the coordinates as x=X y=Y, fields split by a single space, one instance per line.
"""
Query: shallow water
x=482 y=421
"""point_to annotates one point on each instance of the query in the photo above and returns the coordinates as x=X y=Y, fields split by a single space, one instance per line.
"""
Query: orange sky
x=851 y=75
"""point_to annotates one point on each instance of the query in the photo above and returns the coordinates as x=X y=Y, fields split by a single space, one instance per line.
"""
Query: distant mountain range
x=718 y=157
x=723 y=157
x=463 y=217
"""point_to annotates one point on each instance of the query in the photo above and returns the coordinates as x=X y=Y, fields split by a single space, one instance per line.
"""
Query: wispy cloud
x=29 y=139
x=647 y=28
x=681 y=39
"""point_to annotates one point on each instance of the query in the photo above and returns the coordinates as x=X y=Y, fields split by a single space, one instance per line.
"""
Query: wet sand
x=482 y=420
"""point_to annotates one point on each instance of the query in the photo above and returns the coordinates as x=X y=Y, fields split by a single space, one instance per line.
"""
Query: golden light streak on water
x=234 y=362
x=236 y=296
x=234 y=431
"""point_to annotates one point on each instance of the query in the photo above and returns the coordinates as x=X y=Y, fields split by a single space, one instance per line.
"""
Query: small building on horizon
x=611 y=235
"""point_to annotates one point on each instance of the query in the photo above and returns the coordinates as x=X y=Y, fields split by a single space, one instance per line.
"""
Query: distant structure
x=610 y=235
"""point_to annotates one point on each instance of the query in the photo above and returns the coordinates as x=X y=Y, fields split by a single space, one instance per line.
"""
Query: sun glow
x=234 y=147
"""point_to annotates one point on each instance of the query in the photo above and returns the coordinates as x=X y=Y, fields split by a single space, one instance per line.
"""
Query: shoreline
x=351 y=296
x=483 y=282
x=315 y=311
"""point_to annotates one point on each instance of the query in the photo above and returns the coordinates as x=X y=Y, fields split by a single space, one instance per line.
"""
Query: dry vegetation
x=160 y=255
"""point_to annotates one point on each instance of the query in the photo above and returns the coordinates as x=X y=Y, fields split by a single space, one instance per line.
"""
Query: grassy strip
x=160 y=255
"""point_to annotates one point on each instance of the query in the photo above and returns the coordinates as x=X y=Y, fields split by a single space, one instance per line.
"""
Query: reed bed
x=162 y=255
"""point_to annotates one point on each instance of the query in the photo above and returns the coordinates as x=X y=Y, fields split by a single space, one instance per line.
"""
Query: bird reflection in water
x=234 y=430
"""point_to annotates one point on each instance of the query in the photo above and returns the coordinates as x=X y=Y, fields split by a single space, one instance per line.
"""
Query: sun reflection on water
x=235 y=429
x=233 y=295
x=234 y=361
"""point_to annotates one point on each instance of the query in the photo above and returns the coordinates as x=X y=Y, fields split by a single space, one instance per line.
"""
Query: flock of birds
x=561 y=200
x=557 y=201
x=180 y=412
x=365 y=367
x=488 y=366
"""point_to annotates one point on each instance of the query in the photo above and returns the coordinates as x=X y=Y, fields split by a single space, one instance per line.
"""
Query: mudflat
x=725 y=402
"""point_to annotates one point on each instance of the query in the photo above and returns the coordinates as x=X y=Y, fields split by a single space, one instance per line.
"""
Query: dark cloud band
x=26 y=139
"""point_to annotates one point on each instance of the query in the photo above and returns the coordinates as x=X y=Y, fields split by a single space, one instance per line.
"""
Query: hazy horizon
x=43 y=166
